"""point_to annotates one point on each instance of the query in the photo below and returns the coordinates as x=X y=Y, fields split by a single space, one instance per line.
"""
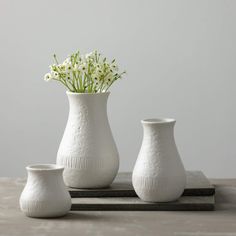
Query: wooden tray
x=197 y=185
x=185 y=203
x=120 y=196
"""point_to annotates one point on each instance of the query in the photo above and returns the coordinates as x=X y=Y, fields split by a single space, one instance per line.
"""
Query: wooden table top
x=222 y=221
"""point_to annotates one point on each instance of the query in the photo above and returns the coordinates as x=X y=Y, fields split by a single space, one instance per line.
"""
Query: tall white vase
x=87 y=150
x=159 y=174
x=45 y=194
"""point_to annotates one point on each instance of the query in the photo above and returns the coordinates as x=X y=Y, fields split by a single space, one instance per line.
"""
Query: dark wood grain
x=185 y=203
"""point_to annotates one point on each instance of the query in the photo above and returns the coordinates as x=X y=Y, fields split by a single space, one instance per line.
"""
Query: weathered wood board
x=185 y=203
x=197 y=185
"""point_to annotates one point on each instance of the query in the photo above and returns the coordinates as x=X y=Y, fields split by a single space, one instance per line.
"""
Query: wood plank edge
x=140 y=207
x=131 y=193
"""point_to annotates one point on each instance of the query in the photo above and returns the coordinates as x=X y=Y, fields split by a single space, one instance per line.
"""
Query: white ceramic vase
x=45 y=194
x=158 y=175
x=87 y=150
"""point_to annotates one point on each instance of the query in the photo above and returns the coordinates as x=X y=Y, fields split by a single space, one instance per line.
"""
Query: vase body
x=87 y=149
x=158 y=175
x=45 y=194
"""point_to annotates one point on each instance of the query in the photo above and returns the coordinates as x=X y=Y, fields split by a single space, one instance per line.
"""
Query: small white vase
x=87 y=150
x=45 y=194
x=158 y=175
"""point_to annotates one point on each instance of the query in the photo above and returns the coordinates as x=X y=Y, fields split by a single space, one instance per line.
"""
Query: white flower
x=114 y=67
x=61 y=67
x=92 y=66
x=108 y=77
x=76 y=67
x=67 y=60
x=91 y=54
x=47 y=77
x=82 y=59
x=68 y=77
x=55 y=75
x=68 y=67
x=83 y=67
x=98 y=66
x=52 y=67
x=99 y=71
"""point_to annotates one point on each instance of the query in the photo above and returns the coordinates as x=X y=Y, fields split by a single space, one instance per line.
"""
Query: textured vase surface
x=158 y=175
x=45 y=194
x=87 y=150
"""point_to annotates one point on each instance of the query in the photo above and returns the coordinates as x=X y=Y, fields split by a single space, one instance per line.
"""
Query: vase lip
x=84 y=94
x=158 y=121
x=44 y=167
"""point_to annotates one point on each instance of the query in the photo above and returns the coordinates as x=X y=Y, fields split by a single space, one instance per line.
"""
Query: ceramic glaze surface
x=159 y=174
x=45 y=194
x=87 y=150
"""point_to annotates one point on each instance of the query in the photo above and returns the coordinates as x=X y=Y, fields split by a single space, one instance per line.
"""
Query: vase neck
x=84 y=103
x=157 y=128
x=158 y=133
x=46 y=174
x=41 y=172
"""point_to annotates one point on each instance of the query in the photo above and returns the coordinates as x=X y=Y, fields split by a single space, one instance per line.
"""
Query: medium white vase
x=87 y=150
x=45 y=194
x=159 y=174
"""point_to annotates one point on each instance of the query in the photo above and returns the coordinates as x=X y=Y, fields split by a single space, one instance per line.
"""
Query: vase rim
x=158 y=121
x=44 y=167
x=96 y=94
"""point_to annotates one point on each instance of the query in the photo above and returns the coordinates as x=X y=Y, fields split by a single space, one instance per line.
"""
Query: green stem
x=81 y=83
x=62 y=81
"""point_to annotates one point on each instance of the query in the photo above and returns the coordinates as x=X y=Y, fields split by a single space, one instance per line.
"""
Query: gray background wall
x=180 y=57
